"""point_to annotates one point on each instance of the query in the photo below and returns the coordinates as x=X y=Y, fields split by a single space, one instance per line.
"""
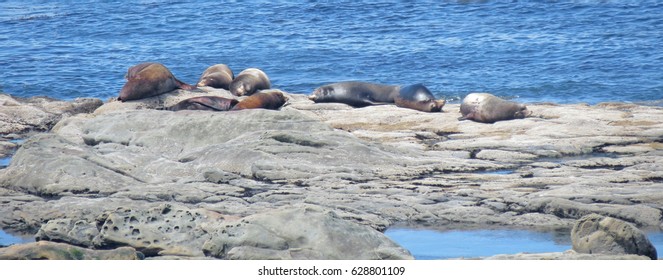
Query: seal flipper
x=184 y=85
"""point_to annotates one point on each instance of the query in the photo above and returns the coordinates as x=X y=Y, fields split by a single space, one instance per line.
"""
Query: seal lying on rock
x=249 y=81
x=418 y=97
x=272 y=99
x=211 y=103
x=217 y=76
x=356 y=94
x=487 y=108
x=149 y=79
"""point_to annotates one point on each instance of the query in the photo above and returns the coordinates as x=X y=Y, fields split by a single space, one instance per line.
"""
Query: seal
x=355 y=94
x=418 y=97
x=149 y=79
x=249 y=81
x=488 y=108
x=210 y=103
x=216 y=76
x=268 y=99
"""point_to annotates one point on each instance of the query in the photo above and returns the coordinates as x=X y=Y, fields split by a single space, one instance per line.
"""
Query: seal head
x=216 y=76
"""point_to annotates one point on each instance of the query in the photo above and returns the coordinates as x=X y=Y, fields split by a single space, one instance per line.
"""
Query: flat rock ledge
x=374 y=166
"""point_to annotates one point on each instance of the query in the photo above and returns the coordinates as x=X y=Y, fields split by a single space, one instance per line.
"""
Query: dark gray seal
x=249 y=81
x=216 y=76
x=488 y=108
x=149 y=79
x=209 y=103
x=418 y=97
x=356 y=94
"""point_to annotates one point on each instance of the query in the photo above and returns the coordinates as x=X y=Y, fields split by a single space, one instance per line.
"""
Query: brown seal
x=418 y=97
x=211 y=103
x=149 y=79
x=268 y=99
x=488 y=108
x=249 y=81
x=356 y=94
x=216 y=76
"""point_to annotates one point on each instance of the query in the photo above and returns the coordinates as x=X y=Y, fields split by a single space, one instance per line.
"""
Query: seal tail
x=184 y=85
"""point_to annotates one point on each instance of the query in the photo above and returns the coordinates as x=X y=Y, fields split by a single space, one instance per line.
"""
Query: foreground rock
x=567 y=255
x=45 y=250
x=301 y=233
x=374 y=166
x=596 y=234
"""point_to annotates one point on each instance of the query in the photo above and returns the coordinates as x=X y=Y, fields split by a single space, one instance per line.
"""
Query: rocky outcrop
x=596 y=234
x=46 y=250
x=307 y=232
x=373 y=166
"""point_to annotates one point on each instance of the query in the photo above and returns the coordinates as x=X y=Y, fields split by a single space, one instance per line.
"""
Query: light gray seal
x=216 y=76
x=249 y=81
x=488 y=108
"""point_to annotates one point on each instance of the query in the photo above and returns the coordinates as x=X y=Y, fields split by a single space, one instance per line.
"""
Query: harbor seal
x=249 y=81
x=149 y=79
x=356 y=94
x=211 y=103
x=418 y=97
x=487 y=108
x=216 y=76
x=269 y=99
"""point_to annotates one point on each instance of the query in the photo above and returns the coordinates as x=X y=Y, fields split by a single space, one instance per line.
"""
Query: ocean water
x=426 y=244
x=538 y=51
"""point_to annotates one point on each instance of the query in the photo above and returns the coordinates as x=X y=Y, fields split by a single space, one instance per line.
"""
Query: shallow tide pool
x=430 y=244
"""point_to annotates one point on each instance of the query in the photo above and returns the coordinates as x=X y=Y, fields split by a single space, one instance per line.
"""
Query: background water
x=430 y=244
x=559 y=51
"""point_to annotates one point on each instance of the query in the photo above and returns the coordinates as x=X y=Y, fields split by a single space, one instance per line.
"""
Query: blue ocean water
x=430 y=244
x=533 y=51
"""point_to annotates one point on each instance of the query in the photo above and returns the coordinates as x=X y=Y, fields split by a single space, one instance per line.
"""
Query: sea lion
x=149 y=79
x=211 y=103
x=418 y=97
x=488 y=108
x=216 y=76
x=249 y=81
x=356 y=94
x=270 y=99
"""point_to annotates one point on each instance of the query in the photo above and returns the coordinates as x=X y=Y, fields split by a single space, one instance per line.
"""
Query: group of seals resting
x=151 y=79
x=480 y=107
x=360 y=94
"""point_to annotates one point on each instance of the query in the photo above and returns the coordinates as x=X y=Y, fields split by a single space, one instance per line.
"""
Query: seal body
x=418 y=97
x=216 y=76
x=149 y=79
x=272 y=99
x=487 y=108
x=356 y=94
x=249 y=81
x=210 y=103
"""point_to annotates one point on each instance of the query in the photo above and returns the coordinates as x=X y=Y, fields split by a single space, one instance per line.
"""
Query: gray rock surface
x=46 y=250
x=596 y=234
x=306 y=232
x=374 y=166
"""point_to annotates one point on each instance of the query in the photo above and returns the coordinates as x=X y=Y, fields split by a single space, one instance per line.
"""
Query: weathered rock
x=164 y=230
x=375 y=166
x=46 y=250
x=79 y=233
x=567 y=255
x=306 y=232
x=596 y=234
x=20 y=115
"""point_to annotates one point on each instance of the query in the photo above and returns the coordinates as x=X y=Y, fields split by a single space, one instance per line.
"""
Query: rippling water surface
x=559 y=51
